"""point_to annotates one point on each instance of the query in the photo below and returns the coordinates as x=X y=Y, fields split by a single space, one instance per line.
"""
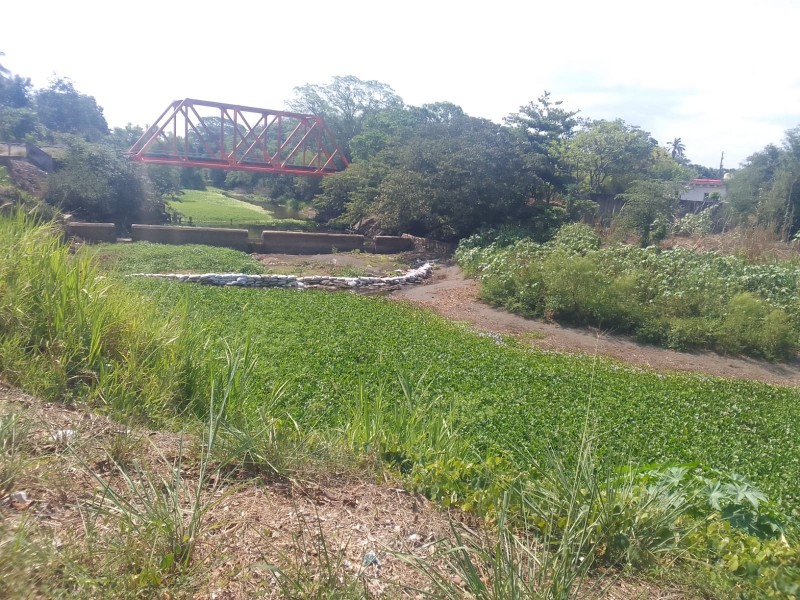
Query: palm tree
x=677 y=148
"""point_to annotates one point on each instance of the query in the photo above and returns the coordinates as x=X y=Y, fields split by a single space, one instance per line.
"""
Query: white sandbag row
x=292 y=281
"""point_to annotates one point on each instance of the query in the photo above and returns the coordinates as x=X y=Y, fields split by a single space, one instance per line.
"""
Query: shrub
x=677 y=298
x=65 y=330
x=684 y=333
x=751 y=326
x=577 y=238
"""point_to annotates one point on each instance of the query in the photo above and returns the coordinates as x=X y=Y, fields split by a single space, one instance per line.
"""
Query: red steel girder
x=213 y=135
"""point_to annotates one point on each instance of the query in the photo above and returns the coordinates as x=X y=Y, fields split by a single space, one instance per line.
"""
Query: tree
x=663 y=166
x=98 y=184
x=345 y=103
x=544 y=122
x=767 y=187
x=123 y=138
x=17 y=119
x=648 y=210
x=677 y=149
x=16 y=92
x=443 y=174
x=62 y=108
x=751 y=182
x=16 y=124
x=165 y=180
x=605 y=156
x=540 y=125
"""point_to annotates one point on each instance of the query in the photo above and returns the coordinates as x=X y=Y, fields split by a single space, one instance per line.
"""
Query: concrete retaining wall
x=93 y=232
x=387 y=244
x=210 y=236
x=290 y=242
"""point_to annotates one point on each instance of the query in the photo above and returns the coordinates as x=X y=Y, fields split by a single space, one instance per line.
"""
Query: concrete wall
x=210 y=236
x=387 y=244
x=291 y=242
x=93 y=232
x=40 y=158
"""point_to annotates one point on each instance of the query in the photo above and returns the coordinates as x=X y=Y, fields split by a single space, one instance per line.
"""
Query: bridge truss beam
x=213 y=135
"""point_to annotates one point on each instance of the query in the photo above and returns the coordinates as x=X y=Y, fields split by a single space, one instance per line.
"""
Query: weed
x=12 y=434
x=152 y=508
x=144 y=257
x=402 y=430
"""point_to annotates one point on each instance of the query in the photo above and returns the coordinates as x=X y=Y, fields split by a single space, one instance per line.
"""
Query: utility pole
x=721 y=158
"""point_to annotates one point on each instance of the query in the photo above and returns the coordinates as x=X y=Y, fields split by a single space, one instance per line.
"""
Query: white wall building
x=699 y=190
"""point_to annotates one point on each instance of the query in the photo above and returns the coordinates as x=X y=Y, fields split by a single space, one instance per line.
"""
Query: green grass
x=144 y=257
x=212 y=207
x=505 y=399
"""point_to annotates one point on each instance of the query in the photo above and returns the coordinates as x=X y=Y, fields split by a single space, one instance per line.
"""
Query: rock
x=371 y=559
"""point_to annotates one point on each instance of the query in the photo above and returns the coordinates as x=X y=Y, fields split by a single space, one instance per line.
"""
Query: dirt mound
x=27 y=177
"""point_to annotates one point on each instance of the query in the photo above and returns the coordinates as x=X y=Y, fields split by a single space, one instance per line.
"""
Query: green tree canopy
x=345 y=103
x=544 y=122
x=63 y=109
x=437 y=172
x=677 y=148
x=649 y=210
x=4 y=72
x=541 y=125
x=16 y=92
x=97 y=183
x=766 y=190
x=605 y=156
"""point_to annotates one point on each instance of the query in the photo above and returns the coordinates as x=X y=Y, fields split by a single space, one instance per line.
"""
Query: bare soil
x=28 y=177
x=298 y=526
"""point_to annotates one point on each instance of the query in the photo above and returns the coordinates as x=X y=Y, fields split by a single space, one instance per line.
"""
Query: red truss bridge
x=213 y=135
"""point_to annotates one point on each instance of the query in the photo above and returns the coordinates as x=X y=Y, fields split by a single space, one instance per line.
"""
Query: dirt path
x=455 y=297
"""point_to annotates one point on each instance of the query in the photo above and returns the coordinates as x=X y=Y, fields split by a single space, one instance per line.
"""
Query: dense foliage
x=766 y=190
x=490 y=416
x=677 y=298
x=96 y=183
x=144 y=257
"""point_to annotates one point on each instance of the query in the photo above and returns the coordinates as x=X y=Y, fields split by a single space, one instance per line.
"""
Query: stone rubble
x=294 y=282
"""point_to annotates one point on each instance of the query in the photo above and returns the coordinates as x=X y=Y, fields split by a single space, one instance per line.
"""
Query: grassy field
x=506 y=399
x=211 y=207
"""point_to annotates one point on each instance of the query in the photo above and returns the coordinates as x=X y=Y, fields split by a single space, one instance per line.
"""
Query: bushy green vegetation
x=464 y=418
x=67 y=332
x=144 y=257
x=676 y=298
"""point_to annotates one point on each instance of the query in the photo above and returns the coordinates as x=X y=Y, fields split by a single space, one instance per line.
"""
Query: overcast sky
x=721 y=75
